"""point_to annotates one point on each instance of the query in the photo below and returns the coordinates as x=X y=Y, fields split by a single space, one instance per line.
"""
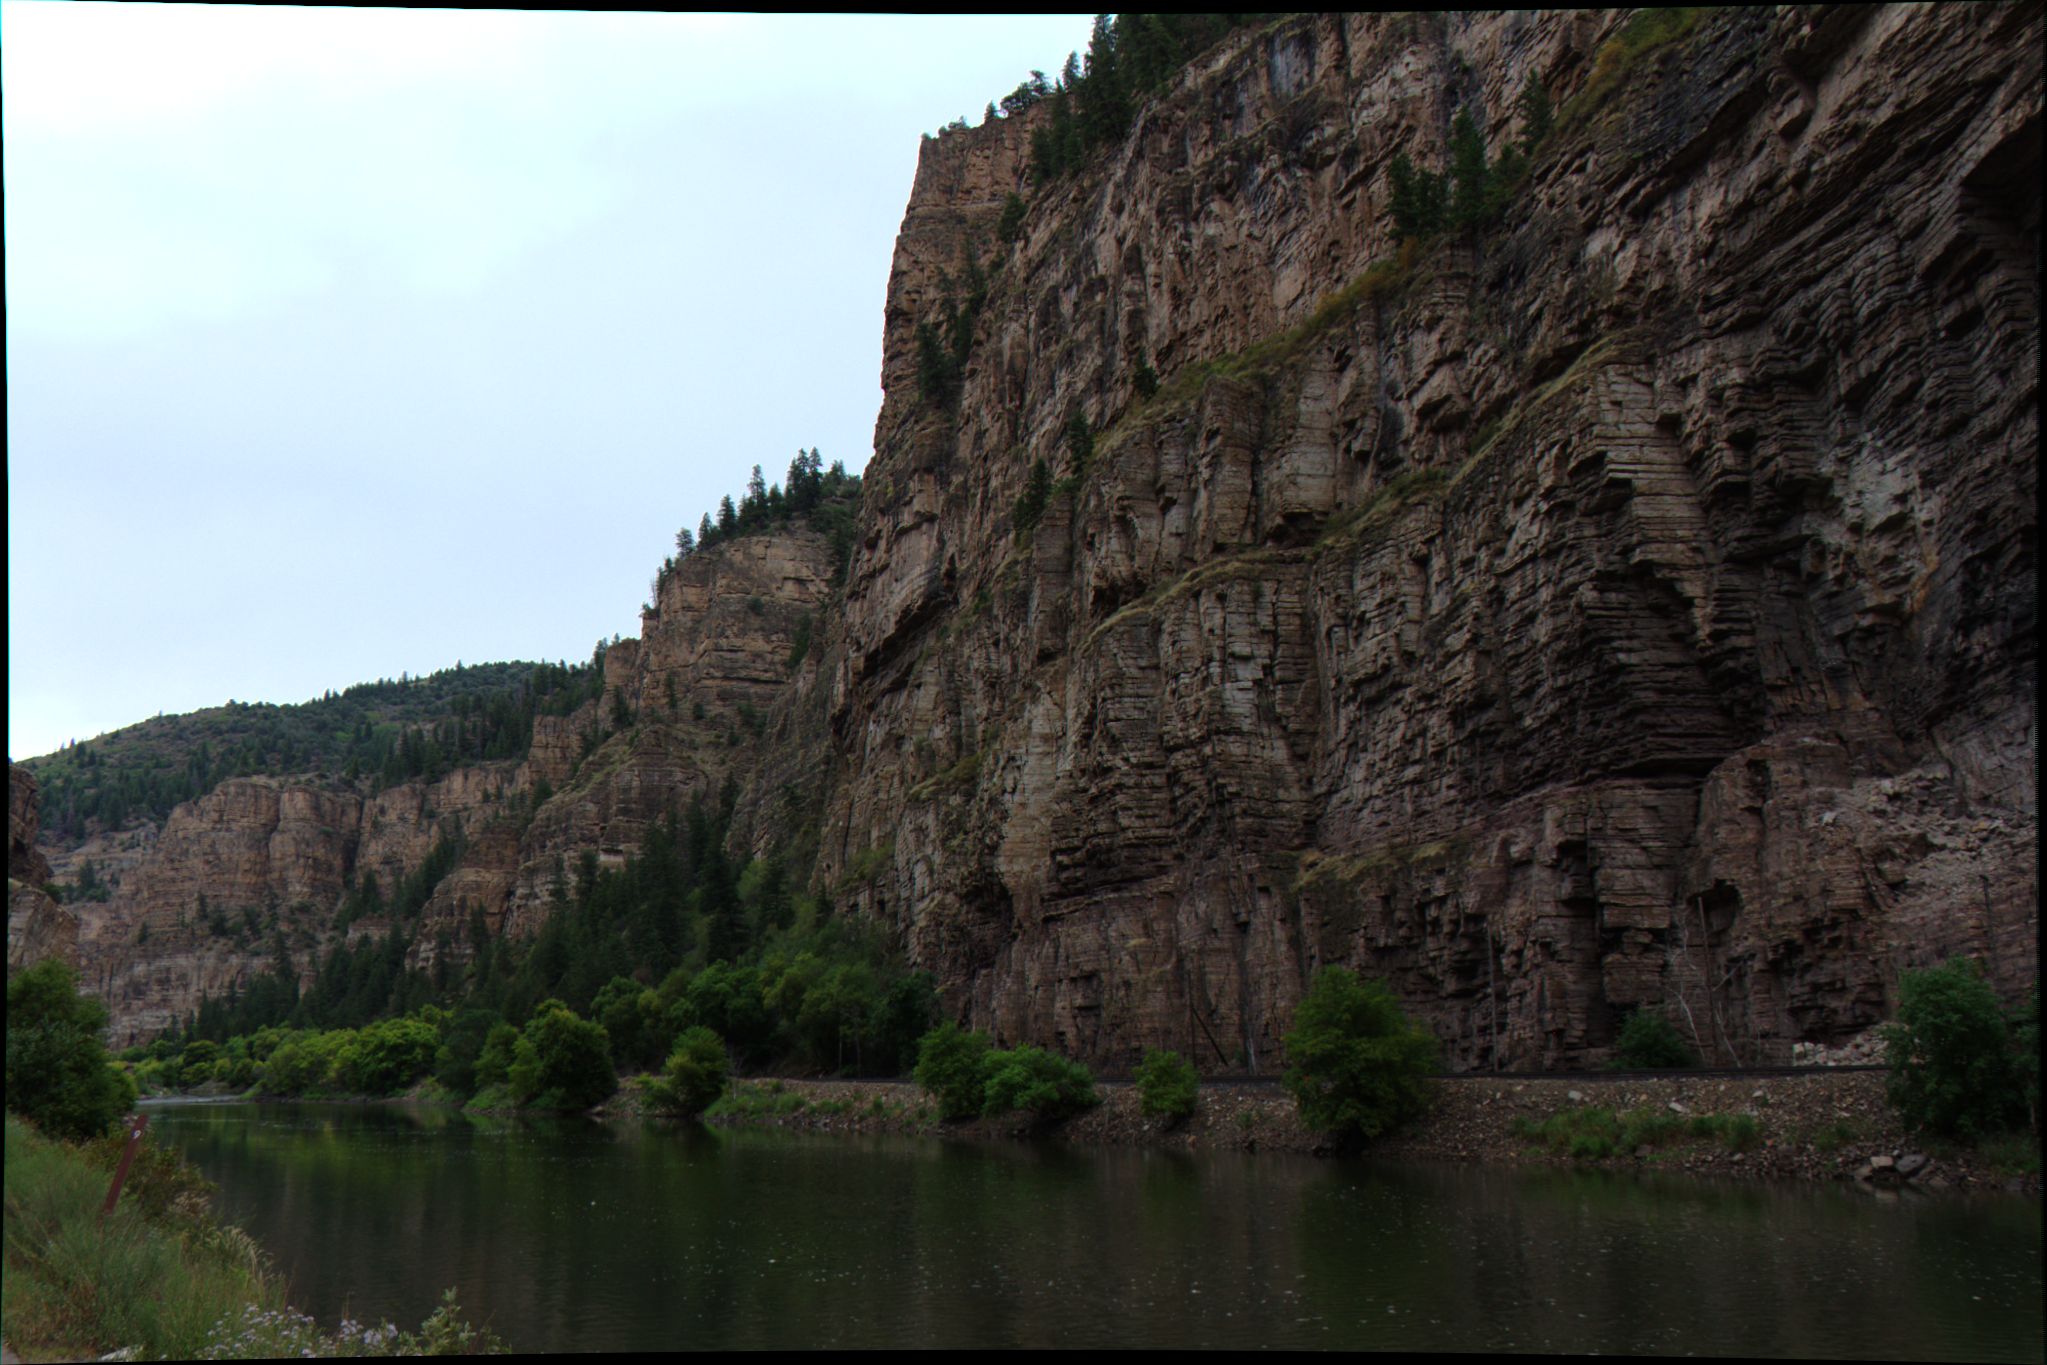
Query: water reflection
x=574 y=1235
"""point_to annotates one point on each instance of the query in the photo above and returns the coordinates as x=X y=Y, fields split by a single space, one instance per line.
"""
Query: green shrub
x=633 y=1021
x=900 y=1019
x=58 y=1073
x=151 y=1275
x=726 y=1000
x=1649 y=1042
x=695 y=1075
x=1037 y=1082
x=1736 y=1132
x=1591 y=1133
x=561 y=1061
x=389 y=1056
x=1356 y=1067
x=1166 y=1085
x=2025 y=1036
x=1953 y=1066
x=462 y=1041
x=494 y=1063
x=952 y=1067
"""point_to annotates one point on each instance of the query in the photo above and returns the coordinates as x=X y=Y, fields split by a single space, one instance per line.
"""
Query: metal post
x=135 y=1128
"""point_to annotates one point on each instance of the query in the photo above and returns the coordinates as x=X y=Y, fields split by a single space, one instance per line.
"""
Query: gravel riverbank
x=1826 y=1125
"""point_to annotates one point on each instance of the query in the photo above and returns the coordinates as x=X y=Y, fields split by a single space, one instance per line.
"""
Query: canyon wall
x=1627 y=605
x=257 y=868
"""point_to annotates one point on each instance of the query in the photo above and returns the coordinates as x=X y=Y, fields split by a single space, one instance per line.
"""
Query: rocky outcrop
x=1630 y=607
x=37 y=927
x=254 y=869
x=685 y=706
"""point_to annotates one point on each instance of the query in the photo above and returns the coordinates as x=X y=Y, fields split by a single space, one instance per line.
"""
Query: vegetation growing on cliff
x=1128 y=57
x=825 y=499
x=944 y=345
x=1650 y=1042
x=1472 y=192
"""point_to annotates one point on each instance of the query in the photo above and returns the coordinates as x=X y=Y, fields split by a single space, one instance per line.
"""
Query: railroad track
x=1679 y=1074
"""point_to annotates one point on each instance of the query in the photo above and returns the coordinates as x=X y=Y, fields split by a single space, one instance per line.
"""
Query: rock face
x=1628 y=607
x=37 y=927
x=255 y=867
x=260 y=865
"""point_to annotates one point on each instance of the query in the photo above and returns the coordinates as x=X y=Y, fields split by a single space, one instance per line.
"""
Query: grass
x=1316 y=867
x=759 y=1100
x=1253 y=565
x=2011 y=1153
x=1827 y=1138
x=158 y=1275
x=1650 y=31
x=1592 y=1133
x=161 y=1278
x=2006 y=1154
x=1381 y=280
x=868 y=864
x=960 y=774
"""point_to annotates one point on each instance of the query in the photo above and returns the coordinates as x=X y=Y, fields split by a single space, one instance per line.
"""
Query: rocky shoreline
x=1829 y=1125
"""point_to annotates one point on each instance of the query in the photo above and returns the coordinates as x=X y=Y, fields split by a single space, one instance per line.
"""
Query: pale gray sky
x=346 y=342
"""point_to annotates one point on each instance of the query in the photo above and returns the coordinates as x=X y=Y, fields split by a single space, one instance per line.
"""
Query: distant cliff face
x=200 y=907
x=37 y=927
x=1629 y=607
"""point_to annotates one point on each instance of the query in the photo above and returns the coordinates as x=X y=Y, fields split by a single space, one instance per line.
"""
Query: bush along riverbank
x=160 y=1277
x=1830 y=1125
x=157 y=1276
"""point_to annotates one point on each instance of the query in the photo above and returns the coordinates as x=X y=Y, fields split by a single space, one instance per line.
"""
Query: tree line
x=385 y=732
x=827 y=500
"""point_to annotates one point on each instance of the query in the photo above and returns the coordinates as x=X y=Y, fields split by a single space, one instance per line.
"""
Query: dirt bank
x=1820 y=1126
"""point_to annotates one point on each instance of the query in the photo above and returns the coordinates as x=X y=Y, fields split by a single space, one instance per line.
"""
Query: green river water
x=585 y=1236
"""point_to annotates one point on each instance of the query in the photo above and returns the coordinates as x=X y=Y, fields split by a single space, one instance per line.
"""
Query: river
x=574 y=1235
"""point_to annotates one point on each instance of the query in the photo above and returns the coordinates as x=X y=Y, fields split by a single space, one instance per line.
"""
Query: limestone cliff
x=1630 y=606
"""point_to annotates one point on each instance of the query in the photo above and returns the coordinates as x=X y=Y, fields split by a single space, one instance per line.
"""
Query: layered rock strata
x=256 y=869
x=1627 y=606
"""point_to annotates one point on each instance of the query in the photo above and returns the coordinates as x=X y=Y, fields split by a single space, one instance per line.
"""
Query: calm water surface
x=581 y=1236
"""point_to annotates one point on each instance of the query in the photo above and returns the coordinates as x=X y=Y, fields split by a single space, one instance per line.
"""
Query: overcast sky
x=349 y=342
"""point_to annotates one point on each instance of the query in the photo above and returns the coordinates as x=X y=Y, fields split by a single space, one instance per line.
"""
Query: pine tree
x=1080 y=443
x=1536 y=114
x=1468 y=172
